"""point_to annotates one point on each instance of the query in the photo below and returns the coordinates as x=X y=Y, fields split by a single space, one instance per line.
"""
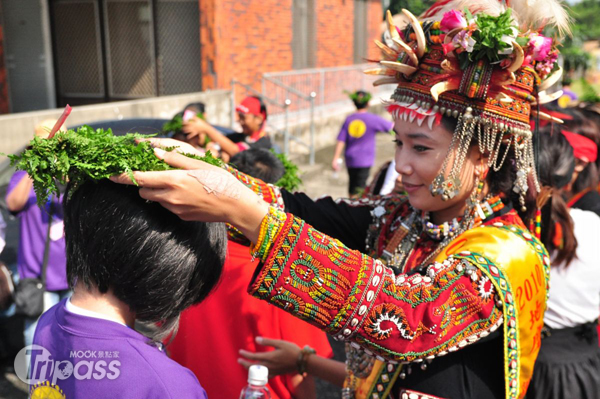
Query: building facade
x=54 y=52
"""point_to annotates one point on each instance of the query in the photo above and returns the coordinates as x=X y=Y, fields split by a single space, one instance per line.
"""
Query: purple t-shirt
x=96 y=358
x=358 y=132
x=32 y=241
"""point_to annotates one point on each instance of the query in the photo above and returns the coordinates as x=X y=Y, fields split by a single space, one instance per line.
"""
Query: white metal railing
x=316 y=90
x=302 y=93
x=329 y=84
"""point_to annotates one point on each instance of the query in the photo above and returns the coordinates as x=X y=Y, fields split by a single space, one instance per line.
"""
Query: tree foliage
x=415 y=6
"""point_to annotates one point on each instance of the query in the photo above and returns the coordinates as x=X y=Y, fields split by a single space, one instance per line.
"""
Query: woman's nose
x=403 y=166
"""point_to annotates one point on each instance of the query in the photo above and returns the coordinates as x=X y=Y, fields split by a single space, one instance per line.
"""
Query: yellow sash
x=519 y=267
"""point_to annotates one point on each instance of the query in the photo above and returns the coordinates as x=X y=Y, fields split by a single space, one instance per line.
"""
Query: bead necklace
x=483 y=210
x=438 y=232
x=403 y=242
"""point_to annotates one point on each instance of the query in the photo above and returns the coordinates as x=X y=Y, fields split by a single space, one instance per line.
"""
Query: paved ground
x=319 y=180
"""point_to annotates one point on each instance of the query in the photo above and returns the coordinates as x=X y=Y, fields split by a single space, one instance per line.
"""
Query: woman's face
x=420 y=153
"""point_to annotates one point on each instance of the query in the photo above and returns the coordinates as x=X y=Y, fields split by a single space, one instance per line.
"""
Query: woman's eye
x=420 y=148
x=398 y=142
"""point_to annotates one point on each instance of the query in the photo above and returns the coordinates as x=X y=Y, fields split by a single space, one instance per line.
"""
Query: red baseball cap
x=583 y=148
x=250 y=105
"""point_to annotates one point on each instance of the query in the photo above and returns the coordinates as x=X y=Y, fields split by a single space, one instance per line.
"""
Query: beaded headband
x=487 y=69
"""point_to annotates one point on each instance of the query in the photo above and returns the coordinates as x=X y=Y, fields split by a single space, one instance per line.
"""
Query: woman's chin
x=416 y=201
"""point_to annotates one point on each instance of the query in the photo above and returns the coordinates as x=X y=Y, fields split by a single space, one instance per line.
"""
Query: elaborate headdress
x=484 y=63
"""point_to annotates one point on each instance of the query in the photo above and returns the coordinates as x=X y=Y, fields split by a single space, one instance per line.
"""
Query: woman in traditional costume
x=442 y=291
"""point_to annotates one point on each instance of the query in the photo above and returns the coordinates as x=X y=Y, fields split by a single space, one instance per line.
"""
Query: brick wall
x=208 y=48
x=249 y=37
x=4 y=104
x=335 y=33
x=243 y=39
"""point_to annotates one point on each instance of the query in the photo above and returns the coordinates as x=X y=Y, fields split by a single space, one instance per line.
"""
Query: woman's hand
x=282 y=360
x=201 y=192
x=180 y=146
x=195 y=127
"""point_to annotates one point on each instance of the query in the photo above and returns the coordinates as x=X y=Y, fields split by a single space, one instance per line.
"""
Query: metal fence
x=329 y=85
x=315 y=91
x=301 y=95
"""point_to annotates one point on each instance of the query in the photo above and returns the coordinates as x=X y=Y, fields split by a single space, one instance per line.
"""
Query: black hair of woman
x=503 y=179
x=556 y=164
x=151 y=260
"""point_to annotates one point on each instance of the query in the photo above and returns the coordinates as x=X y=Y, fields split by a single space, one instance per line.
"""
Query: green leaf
x=86 y=154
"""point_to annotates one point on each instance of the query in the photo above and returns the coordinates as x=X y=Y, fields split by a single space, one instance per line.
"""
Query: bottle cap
x=258 y=375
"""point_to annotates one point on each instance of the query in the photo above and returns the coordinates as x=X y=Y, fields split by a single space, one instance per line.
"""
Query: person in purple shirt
x=357 y=140
x=128 y=261
x=21 y=201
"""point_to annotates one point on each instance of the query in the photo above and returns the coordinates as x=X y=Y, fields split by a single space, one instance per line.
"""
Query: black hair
x=149 y=258
x=585 y=122
x=359 y=99
x=556 y=165
x=197 y=107
x=259 y=163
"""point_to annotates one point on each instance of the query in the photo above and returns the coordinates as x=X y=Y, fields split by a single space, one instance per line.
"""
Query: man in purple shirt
x=128 y=260
x=357 y=137
x=21 y=201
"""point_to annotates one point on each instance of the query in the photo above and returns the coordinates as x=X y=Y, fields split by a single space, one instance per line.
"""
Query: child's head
x=259 y=163
x=148 y=258
x=361 y=99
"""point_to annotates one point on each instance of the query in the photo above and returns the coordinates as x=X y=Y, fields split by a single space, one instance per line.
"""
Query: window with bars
x=108 y=50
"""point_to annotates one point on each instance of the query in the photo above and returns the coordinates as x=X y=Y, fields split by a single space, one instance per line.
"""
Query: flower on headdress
x=540 y=46
x=546 y=66
x=451 y=20
x=464 y=40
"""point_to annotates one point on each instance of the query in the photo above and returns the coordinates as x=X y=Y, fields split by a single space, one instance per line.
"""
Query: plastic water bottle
x=336 y=173
x=258 y=376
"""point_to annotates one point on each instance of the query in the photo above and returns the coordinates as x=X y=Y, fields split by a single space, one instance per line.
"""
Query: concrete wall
x=17 y=129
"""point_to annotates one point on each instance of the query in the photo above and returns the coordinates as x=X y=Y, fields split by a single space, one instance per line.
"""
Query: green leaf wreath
x=77 y=156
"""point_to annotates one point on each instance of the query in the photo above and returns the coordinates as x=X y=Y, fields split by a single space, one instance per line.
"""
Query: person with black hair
x=356 y=140
x=128 y=260
x=41 y=253
x=192 y=110
x=252 y=115
x=259 y=163
x=569 y=358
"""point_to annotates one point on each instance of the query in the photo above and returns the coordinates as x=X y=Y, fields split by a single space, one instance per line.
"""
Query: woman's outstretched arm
x=316 y=278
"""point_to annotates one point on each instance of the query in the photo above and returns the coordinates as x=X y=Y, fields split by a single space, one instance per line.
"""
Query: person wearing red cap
x=252 y=116
x=583 y=196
